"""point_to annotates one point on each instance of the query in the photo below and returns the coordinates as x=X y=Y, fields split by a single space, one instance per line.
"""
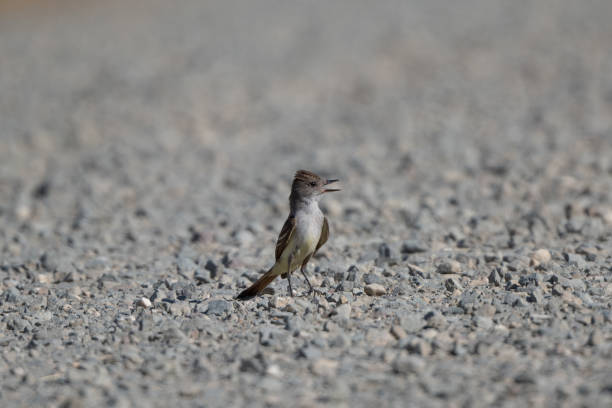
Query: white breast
x=309 y=222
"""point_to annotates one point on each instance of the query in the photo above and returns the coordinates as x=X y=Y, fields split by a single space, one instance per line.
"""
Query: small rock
x=244 y=237
x=415 y=270
x=408 y=365
x=452 y=284
x=419 y=346
x=218 y=307
x=324 y=367
x=174 y=335
x=278 y=302
x=595 y=338
x=202 y=276
x=345 y=286
x=342 y=312
x=495 y=277
x=535 y=296
x=274 y=371
x=606 y=215
x=510 y=298
x=44 y=278
x=398 y=332
x=525 y=378
x=143 y=302
x=212 y=267
x=19 y=325
x=519 y=302
x=378 y=338
x=574 y=259
x=558 y=290
x=491 y=258
x=435 y=319
x=253 y=365
x=412 y=323
x=413 y=247
x=340 y=341
x=352 y=273
x=384 y=251
x=571 y=300
x=375 y=289
x=267 y=336
x=185 y=291
x=309 y=352
x=369 y=278
x=178 y=308
x=449 y=267
x=588 y=251
x=322 y=303
x=49 y=262
x=186 y=266
x=458 y=349
x=576 y=284
x=467 y=302
x=486 y=310
x=541 y=256
x=11 y=295
x=338 y=276
x=483 y=322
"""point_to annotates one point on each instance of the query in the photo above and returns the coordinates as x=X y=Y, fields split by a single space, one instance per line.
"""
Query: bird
x=304 y=232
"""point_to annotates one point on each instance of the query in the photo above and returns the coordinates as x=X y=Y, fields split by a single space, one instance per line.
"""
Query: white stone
x=144 y=302
x=375 y=289
x=540 y=256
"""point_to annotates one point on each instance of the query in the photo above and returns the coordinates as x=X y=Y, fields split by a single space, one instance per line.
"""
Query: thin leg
x=305 y=277
x=289 y=275
x=289 y=280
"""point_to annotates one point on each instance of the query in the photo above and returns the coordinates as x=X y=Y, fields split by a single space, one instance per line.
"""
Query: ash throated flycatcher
x=304 y=232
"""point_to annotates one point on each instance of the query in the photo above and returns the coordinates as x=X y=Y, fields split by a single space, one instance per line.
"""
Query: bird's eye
x=313 y=183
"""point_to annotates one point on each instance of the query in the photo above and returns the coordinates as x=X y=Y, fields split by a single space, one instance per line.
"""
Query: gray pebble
x=595 y=338
x=218 y=307
x=449 y=267
x=11 y=295
x=187 y=266
x=408 y=365
x=353 y=274
x=535 y=296
x=309 y=352
x=452 y=284
x=413 y=247
x=435 y=319
x=495 y=277
x=212 y=267
x=372 y=278
x=483 y=322
x=342 y=312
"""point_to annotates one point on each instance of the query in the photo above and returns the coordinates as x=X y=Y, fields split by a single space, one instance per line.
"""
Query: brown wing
x=285 y=234
x=324 y=235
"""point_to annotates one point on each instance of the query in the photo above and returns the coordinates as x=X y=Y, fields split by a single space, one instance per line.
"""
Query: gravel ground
x=147 y=150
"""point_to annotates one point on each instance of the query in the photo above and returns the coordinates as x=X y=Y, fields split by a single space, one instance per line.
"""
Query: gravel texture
x=147 y=150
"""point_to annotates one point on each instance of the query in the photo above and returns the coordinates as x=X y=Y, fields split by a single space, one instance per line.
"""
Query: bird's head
x=306 y=184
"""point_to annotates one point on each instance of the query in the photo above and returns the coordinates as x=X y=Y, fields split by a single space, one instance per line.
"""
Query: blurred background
x=193 y=111
x=108 y=107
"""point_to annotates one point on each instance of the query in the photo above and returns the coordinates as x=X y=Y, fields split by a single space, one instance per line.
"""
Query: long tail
x=261 y=283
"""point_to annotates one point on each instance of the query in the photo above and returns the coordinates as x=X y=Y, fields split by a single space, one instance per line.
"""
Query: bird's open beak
x=329 y=190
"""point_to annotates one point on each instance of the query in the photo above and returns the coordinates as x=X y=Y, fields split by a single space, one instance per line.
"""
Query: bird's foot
x=314 y=292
